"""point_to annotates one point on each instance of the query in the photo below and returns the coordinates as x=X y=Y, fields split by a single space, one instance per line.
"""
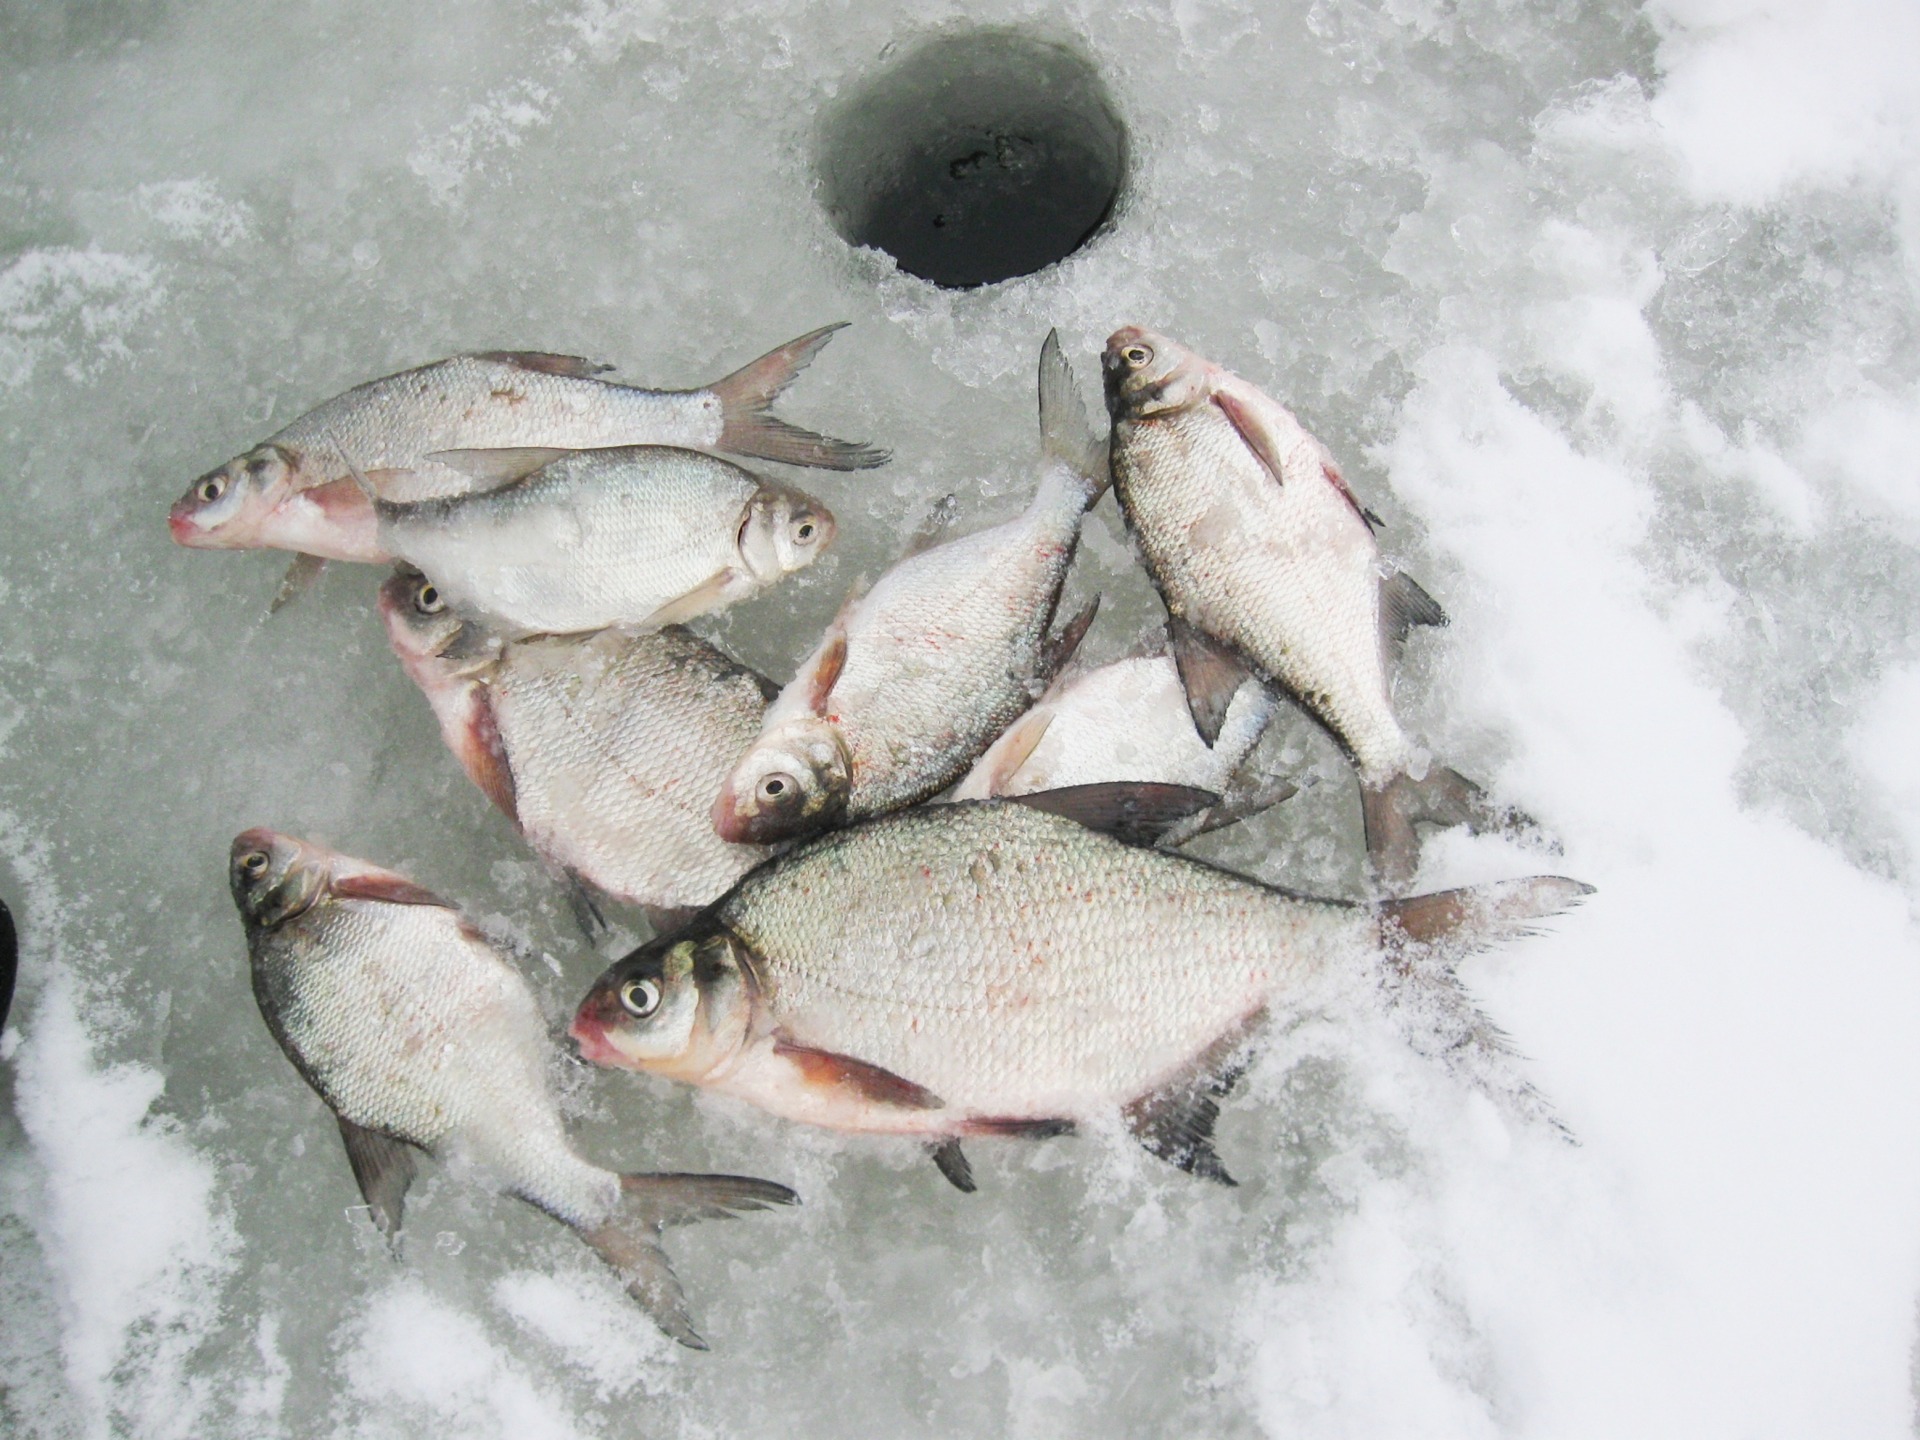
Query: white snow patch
x=72 y=306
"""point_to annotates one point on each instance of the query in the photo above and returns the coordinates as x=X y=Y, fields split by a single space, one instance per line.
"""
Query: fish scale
x=1285 y=572
x=410 y=1025
x=617 y=744
x=942 y=651
x=594 y=538
x=472 y=402
x=1014 y=962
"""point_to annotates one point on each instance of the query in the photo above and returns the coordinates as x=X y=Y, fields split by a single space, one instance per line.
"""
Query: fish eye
x=254 y=863
x=640 y=998
x=804 y=531
x=774 y=786
x=428 y=600
x=213 y=487
x=1136 y=355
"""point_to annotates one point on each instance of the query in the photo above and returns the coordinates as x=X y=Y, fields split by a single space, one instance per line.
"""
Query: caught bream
x=603 y=749
x=1268 y=566
x=918 y=675
x=640 y=536
x=1128 y=721
x=420 y=1036
x=993 y=968
x=475 y=421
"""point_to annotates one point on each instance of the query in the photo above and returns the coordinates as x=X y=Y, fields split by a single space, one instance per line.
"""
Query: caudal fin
x=749 y=426
x=630 y=1241
x=1441 y=797
x=1065 y=435
x=1423 y=939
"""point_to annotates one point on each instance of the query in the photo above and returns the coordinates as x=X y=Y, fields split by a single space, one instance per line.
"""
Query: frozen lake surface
x=1612 y=313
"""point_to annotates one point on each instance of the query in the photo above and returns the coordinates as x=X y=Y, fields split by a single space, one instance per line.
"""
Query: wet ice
x=1611 y=313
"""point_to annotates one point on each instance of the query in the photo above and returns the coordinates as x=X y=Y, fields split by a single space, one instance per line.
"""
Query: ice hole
x=974 y=158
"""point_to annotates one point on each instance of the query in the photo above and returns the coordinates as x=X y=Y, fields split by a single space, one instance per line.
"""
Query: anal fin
x=1059 y=648
x=1210 y=673
x=383 y=1167
x=1175 y=1121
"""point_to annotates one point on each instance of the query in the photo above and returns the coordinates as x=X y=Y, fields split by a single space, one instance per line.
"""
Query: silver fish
x=916 y=677
x=603 y=749
x=1268 y=565
x=479 y=420
x=637 y=535
x=989 y=968
x=419 y=1035
x=1128 y=721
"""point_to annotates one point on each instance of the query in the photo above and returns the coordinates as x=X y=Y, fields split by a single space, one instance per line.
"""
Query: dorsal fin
x=545 y=362
x=1403 y=605
x=1057 y=649
x=1135 y=811
x=952 y=1161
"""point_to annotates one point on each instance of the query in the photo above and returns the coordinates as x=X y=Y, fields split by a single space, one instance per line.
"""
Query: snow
x=1613 y=312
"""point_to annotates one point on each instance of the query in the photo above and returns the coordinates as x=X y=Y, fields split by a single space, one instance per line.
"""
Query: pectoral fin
x=1210 y=673
x=1261 y=440
x=882 y=1087
x=953 y=1164
x=385 y=887
x=384 y=1168
x=1015 y=748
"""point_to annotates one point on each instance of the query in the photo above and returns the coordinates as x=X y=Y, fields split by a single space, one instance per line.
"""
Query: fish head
x=796 y=779
x=678 y=1006
x=275 y=877
x=783 y=531
x=426 y=632
x=1147 y=374
x=224 y=508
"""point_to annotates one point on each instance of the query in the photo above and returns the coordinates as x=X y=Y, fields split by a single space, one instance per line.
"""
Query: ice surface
x=1611 y=312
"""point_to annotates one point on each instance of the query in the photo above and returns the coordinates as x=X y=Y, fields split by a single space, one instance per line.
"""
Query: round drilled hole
x=974 y=158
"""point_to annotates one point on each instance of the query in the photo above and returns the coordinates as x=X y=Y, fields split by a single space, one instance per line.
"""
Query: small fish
x=420 y=1036
x=990 y=968
x=637 y=535
x=915 y=678
x=476 y=421
x=1128 y=721
x=604 y=749
x=1268 y=566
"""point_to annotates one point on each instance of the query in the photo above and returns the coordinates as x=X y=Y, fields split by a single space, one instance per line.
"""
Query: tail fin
x=1424 y=938
x=1443 y=797
x=630 y=1241
x=1065 y=435
x=749 y=426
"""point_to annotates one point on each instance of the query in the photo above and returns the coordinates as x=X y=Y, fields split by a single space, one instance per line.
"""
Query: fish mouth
x=737 y=826
x=185 y=529
x=589 y=1030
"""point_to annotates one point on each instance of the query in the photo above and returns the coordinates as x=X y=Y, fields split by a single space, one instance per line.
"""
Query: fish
x=420 y=1036
x=1268 y=565
x=1128 y=721
x=474 y=421
x=603 y=749
x=1001 y=968
x=641 y=536
x=914 y=679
